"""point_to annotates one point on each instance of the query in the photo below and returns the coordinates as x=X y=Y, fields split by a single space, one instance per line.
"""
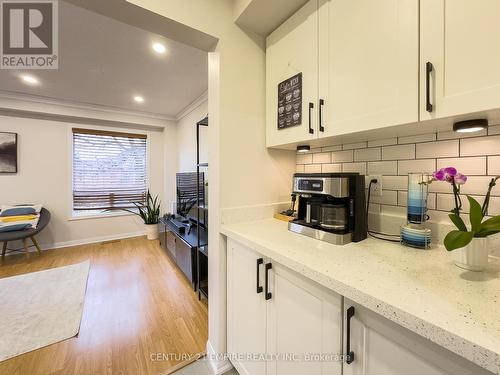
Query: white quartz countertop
x=421 y=290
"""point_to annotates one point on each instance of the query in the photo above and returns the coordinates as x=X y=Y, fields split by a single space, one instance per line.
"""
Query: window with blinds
x=109 y=170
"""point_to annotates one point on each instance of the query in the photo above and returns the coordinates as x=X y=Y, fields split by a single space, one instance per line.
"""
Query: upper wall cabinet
x=368 y=64
x=460 y=57
x=293 y=49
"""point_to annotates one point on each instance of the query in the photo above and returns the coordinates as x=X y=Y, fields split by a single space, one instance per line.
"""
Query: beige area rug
x=41 y=308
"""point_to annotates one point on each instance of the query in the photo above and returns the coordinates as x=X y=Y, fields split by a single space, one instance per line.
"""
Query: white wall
x=242 y=170
x=186 y=139
x=44 y=176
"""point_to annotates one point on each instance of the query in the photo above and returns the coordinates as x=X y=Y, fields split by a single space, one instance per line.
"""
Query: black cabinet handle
x=428 y=70
x=259 y=287
x=269 y=295
x=321 y=104
x=311 y=106
x=349 y=352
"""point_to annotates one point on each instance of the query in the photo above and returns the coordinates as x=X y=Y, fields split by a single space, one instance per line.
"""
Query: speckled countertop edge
x=486 y=356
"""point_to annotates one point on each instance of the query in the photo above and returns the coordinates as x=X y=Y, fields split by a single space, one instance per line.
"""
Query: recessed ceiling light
x=29 y=79
x=159 y=48
x=139 y=99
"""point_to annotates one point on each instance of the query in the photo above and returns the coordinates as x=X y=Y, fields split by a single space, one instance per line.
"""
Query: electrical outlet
x=376 y=187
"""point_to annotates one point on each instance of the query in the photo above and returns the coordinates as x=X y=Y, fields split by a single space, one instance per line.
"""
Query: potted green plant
x=469 y=243
x=149 y=212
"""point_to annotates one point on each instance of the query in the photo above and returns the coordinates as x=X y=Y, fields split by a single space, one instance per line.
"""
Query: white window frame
x=101 y=215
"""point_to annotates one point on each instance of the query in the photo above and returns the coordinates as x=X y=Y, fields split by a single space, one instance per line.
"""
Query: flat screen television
x=186 y=196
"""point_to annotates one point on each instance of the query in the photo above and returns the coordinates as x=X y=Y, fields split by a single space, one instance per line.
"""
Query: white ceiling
x=105 y=62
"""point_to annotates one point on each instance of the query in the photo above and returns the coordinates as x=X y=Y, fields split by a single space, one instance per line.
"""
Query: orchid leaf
x=489 y=227
x=459 y=223
x=476 y=214
x=457 y=239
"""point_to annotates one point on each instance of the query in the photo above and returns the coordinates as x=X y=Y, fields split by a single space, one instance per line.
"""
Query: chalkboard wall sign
x=290 y=102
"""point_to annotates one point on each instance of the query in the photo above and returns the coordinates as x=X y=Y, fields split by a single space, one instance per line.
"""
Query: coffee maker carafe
x=331 y=206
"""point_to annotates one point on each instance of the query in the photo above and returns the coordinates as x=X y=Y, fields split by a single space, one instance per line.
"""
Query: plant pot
x=152 y=231
x=474 y=256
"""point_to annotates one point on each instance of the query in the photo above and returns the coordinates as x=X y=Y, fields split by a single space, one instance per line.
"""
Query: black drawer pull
x=349 y=352
x=311 y=106
x=269 y=295
x=259 y=287
x=428 y=70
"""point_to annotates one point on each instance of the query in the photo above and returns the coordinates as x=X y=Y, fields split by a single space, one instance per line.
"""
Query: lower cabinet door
x=246 y=309
x=304 y=326
x=381 y=347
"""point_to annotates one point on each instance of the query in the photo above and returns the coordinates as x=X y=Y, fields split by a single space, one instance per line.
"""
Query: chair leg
x=26 y=251
x=35 y=242
x=4 y=249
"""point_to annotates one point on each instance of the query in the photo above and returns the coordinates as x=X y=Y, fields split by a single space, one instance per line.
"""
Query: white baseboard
x=83 y=241
x=218 y=366
x=90 y=240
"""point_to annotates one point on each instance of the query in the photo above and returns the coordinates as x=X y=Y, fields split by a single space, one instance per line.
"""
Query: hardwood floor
x=138 y=306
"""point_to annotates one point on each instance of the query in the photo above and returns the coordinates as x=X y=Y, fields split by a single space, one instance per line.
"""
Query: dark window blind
x=109 y=169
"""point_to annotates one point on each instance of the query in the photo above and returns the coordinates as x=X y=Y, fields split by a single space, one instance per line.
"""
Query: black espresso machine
x=331 y=207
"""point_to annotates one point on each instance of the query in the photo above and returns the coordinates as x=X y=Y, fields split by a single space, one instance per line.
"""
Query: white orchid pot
x=474 y=256
x=152 y=232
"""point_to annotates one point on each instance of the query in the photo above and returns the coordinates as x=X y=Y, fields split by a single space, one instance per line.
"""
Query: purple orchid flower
x=460 y=179
x=447 y=174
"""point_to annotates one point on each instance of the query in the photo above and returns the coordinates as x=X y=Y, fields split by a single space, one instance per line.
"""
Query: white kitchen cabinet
x=293 y=49
x=297 y=318
x=461 y=39
x=246 y=309
x=383 y=347
x=303 y=318
x=368 y=64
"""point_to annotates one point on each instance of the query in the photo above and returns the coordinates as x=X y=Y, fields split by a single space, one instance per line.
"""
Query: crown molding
x=192 y=106
x=12 y=101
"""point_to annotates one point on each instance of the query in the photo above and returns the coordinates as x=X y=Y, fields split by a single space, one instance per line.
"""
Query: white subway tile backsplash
x=480 y=146
x=342 y=156
x=395 y=182
x=332 y=148
x=468 y=166
x=323 y=157
x=354 y=167
x=304 y=159
x=383 y=167
x=441 y=187
x=383 y=142
x=352 y=146
x=493 y=130
x=439 y=149
x=478 y=185
x=312 y=168
x=331 y=168
x=455 y=135
x=417 y=138
x=494 y=165
x=367 y=154
x=416 y=166
x=374 y=208
x=399 y=152
x=445 y=202
x=477 y=155
x=387 y=197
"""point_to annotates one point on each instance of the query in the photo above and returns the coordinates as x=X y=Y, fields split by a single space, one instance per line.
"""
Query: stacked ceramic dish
x=415 y=236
